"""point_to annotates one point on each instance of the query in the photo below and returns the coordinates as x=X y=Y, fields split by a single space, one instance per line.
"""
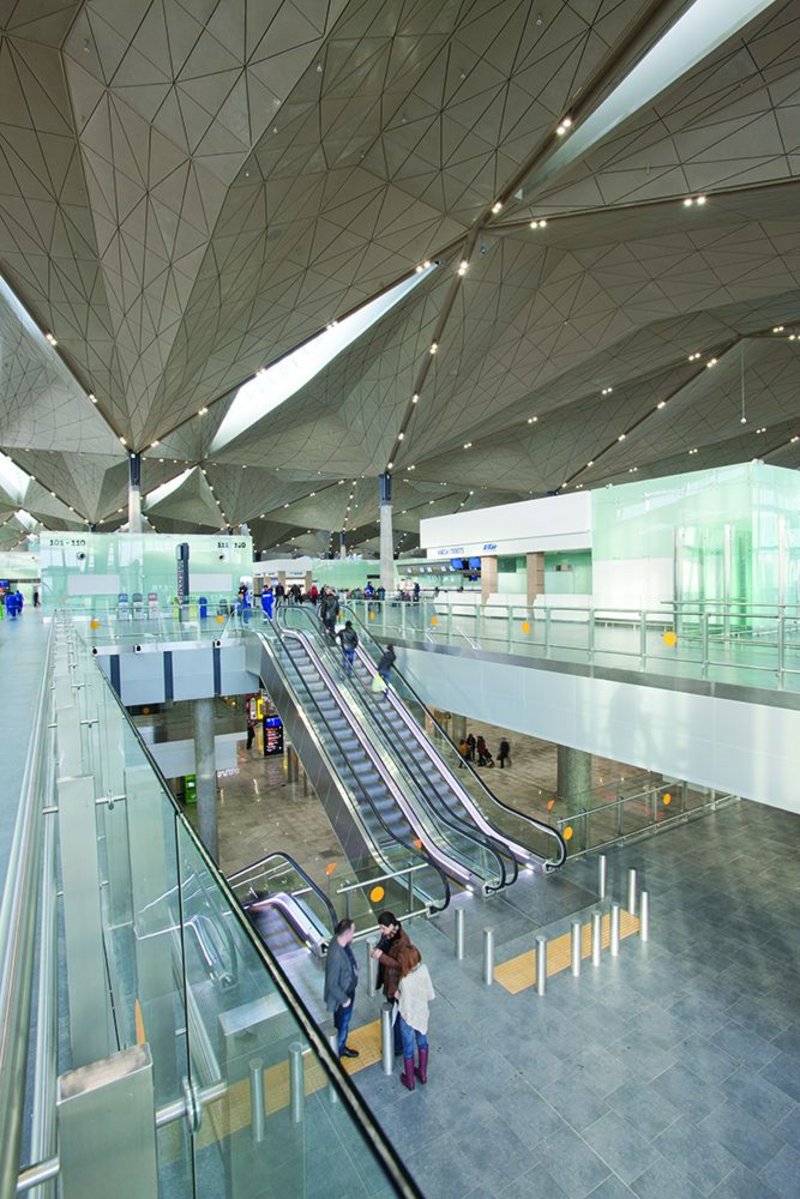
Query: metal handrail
x=17 y=937
x=539 y=825
x=298 y=869
x=423 y=853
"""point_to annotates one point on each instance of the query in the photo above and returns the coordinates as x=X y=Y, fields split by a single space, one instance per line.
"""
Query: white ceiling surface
x=191 y=190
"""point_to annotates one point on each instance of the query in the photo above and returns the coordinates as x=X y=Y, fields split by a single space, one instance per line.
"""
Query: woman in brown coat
x=393 y=941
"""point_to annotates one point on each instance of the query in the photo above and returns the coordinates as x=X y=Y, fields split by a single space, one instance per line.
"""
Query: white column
x=134 y=493
x=387 y=537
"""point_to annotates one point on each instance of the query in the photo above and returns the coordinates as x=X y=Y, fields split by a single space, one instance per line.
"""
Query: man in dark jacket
x=348 y=639
x=387 y=661
x=328 y=611
x=341 y=980
x=393 y=940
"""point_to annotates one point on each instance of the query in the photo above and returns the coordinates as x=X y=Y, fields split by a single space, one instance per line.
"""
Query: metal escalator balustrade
x=277 y=883
x=435 y=767
x=525 y=836
x=389 y=841
x=490 y=869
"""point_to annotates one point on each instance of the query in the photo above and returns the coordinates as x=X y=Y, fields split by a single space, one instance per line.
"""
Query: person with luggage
x=348 y=639
x=484 y=756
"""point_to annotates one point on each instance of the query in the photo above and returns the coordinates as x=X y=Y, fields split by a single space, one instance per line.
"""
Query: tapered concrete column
x=342 y=545
x=535 y=576
x=387 y=537
x=307 y=581
x=206 y=772
x=574 y=775
x=488 y=578
x=134 y=493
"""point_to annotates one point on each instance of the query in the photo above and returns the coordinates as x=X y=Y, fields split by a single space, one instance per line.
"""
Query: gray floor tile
x=640 y=1057
x=441 y=1172
x=784 y=1073
x=663 y=1180
x=574 y=1102
x=529 y=1116
x=744 y=1044
x=620 y=1146
x=706 y=1059
x=644 y=1108
x=494 y=1155
x=788 y=1129
x=746 y=1138
x=757 y=1096
x=742 y=1183
x=688 y=1093
x=783 y=1173
x=612 y=1188
x=536 y=1184
x=705 y=1162
x=575 y=1166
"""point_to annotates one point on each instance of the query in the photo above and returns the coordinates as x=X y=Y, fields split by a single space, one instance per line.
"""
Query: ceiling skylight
x=275 y=385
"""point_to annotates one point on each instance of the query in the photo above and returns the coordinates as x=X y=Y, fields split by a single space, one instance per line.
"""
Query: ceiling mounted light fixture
x=51 y=338
x=497 y=207
x=463 y=266
x=541 y=224
x=532 y=420
x=622 y=436
x=778 y=329
x=711 y=362
x=92 y=397
x=607 y=391
x=434 y=347
x=661 y=404
x=202 y=411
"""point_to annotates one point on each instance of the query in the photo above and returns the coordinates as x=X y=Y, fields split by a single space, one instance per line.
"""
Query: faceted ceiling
x=192 y=189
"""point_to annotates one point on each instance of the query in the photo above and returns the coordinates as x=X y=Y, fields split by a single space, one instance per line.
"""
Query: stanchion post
x=459 y=935
x=387 y=1039
x=644 y=915
x=602 y=875
x=256 y=1067
x=488 y=956
x=370 y=945
x=333 y=1041
x=632 y=889
x=615 y=930
x=541 y=965
x=576 y=944
x=297 y=1082
x=597 y=937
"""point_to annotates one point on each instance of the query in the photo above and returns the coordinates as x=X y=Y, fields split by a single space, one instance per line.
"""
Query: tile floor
x=671 y=1072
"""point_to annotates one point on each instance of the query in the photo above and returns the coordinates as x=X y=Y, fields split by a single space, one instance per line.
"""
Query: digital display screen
x=457 y=563
x=474 y=563
x=273 y=736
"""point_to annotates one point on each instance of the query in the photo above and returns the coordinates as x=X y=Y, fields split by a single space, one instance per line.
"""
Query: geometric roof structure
x=191 y=192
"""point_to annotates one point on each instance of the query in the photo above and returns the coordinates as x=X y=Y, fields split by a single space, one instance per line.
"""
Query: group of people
x=406 y=985
x=474 y=749
x=12 y=603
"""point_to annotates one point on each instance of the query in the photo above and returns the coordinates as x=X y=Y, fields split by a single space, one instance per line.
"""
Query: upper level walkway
x=756 y=647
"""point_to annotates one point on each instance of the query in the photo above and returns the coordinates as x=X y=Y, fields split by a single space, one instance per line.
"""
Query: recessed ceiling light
x=467 y=445
x=463 y=267
x=93 y=397
x=497 y=207
x=415 y=398
x=778 y=329
x=607 y=391
x=700 y=200
x=51 y=338
x=688 y=202
x=401 y=436
x=711 y=362
x=622 y=436
x=124 y=442
x=153 y=444
x=532 y=420
x=434 y=346
x=661 y=404
x=590 y=463
x=202 y=411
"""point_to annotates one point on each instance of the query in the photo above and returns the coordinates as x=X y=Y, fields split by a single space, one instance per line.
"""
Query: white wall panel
x=746 y=748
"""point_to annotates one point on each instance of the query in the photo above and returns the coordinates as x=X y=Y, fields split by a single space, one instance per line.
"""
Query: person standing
x=414 y=993
x=341 y=980
x=348 y=639
x=251 y=732
x=328 y=611
x=504 y=754
x=471 y=743
x=267 y=602
x=387 y=661
x=393 y=941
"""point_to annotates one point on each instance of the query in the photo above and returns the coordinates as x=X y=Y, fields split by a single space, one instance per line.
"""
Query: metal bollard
x=602 y=875
x=370 y=944
x=632 y=889
x=541 y=965
x=575 y=948
x=387 y=1039
x=488 y=956
x=257 y=1099
x=597 y=937
x=644 y=915
x=333 y=1041
x=615 y=930
x=459 y=934
x=297 y=1082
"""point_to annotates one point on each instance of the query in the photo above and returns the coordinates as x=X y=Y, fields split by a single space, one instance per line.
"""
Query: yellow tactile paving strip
x=519 y=973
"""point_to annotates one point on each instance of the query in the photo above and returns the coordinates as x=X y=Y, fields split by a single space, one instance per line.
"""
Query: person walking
x=251 y=732
x=414 y=993
x=504 y=754
x=393 y=941
x=341 y=980
x=328 y=611
x=387 y=661
x=348 y=639
x=267 y=600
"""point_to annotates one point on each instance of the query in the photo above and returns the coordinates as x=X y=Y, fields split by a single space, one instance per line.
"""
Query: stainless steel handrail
x=17 y=937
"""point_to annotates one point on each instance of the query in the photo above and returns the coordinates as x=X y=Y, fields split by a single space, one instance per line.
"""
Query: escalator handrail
x=452 y=821
x=410 y=812
x=300 y=871
x=410 y=849
x=540 y=825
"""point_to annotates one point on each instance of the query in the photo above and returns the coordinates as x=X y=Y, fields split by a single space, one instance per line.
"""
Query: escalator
x=431 y=761
x=286 y=906
x=357 y=791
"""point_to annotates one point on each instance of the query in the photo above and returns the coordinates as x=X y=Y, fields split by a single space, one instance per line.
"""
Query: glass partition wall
x=249 y=1100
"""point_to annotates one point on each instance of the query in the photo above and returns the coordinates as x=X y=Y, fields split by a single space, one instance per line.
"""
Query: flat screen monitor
x=474 y=563
x=457 y=563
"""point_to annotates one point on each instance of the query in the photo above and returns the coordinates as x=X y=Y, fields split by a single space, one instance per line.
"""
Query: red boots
x=407 y=1077
x=422 y=1069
